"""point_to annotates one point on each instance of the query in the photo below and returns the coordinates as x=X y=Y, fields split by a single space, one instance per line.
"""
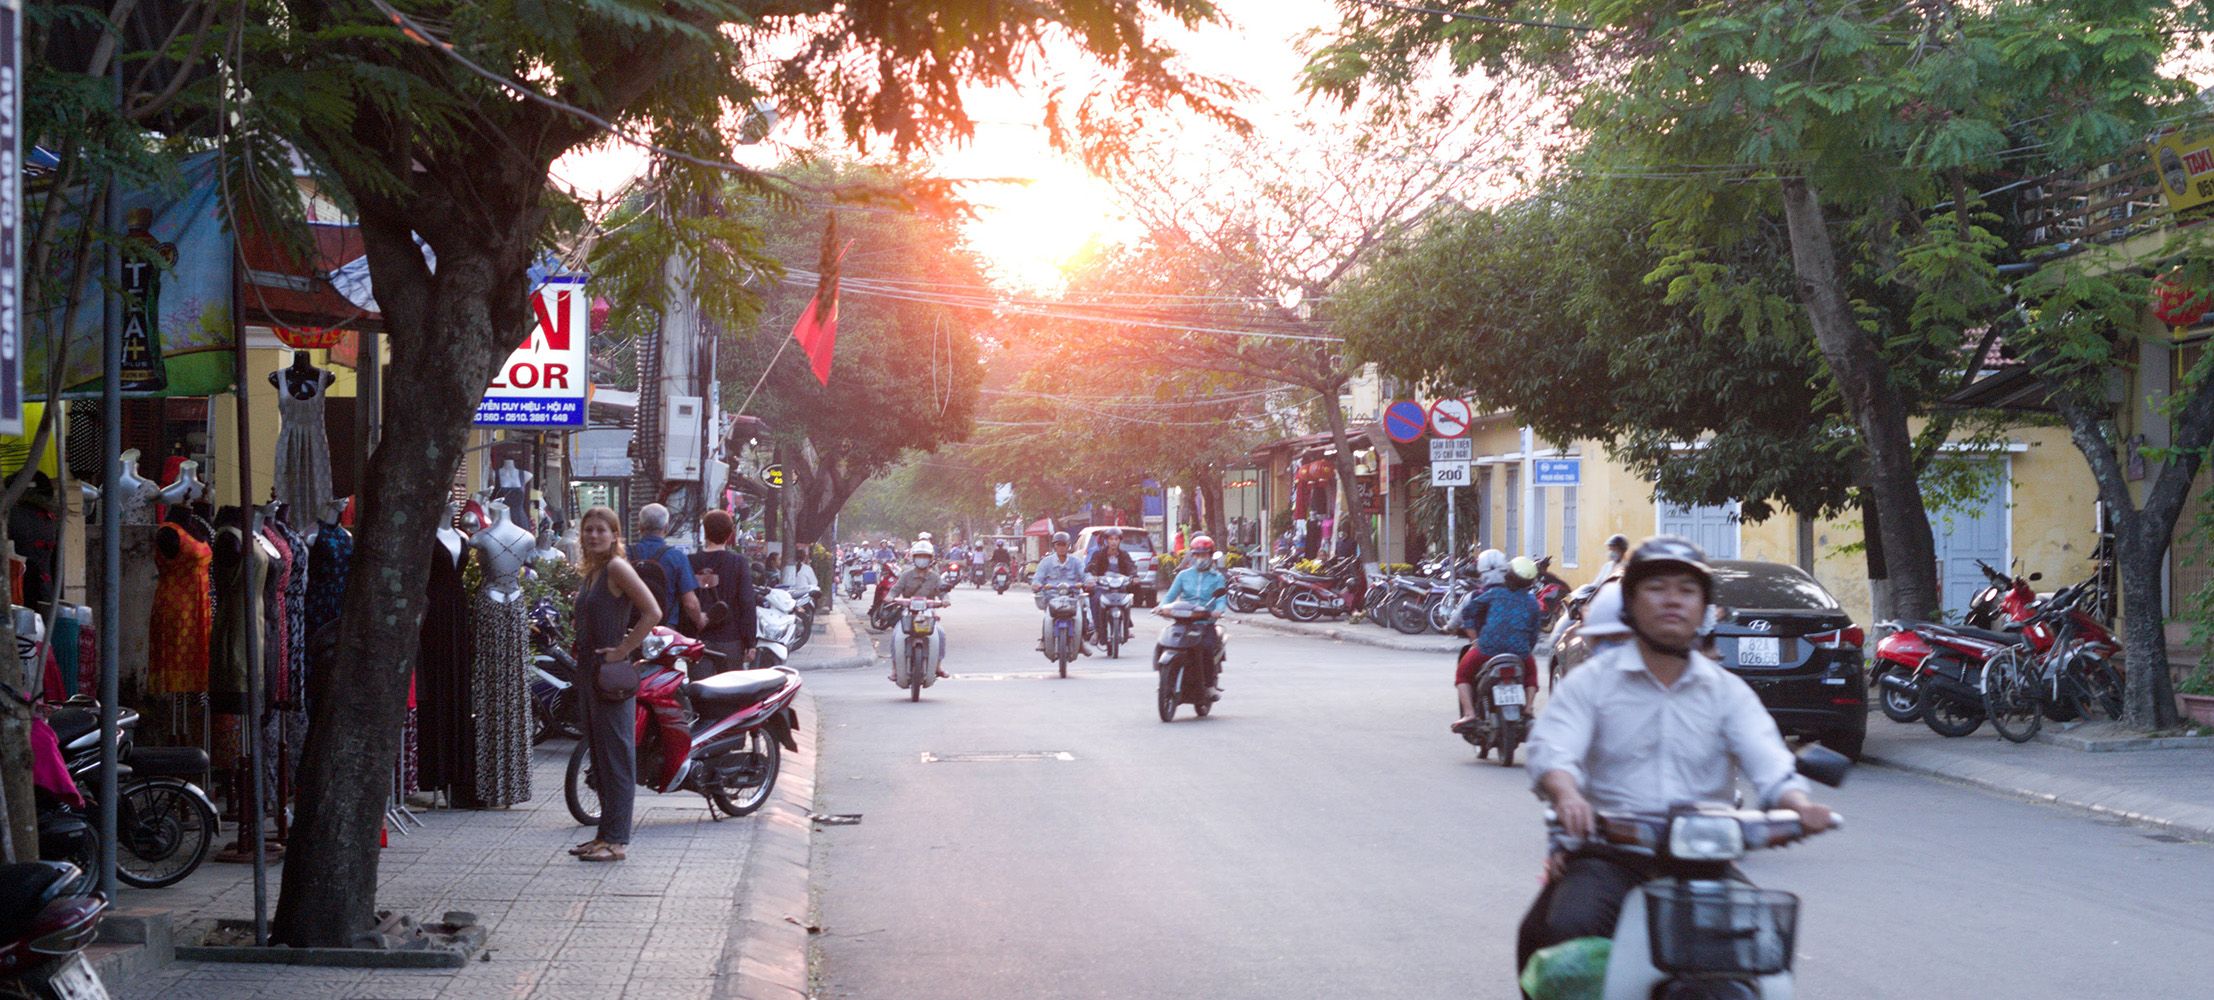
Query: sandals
x=584 y=848
x=603 y=852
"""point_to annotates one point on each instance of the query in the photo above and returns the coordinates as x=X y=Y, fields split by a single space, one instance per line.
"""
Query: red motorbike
x=46 y=920
x=722 y=737
x=1999 y=609
x=1934 y=672
x=1335 y=593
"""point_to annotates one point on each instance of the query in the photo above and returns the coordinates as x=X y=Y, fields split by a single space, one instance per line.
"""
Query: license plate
x=1758 y=651
x=75 y=980
x=1507 y=694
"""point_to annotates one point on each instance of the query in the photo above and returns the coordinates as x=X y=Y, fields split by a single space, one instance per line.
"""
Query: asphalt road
x=1322 y=835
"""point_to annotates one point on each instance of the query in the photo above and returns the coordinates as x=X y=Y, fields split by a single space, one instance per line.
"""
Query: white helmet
x=1603 y=616
x=1491 y=561
x=923 y=537
x=923 y=548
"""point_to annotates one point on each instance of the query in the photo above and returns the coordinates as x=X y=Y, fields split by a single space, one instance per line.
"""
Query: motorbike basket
x=1710 y=928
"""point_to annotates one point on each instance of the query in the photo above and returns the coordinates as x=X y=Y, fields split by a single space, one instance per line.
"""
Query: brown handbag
x=616 y=681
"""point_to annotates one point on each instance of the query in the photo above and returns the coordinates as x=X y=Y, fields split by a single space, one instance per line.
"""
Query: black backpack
x=663 y=589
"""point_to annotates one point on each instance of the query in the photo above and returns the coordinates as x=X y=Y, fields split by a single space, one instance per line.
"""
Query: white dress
x=303 y=451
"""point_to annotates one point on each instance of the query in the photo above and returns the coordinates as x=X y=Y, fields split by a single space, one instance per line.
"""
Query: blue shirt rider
x=1203 y=584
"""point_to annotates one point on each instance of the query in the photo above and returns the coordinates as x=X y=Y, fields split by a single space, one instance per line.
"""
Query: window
x=1514 y=509
x=1568 y=525
x=1539 y=511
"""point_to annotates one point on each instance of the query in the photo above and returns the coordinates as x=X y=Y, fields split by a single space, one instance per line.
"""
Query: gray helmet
x=1618 y=541
x=1665 y=554
x=1060 y=538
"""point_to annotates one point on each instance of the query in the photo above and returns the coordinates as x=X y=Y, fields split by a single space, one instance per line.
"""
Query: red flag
x=817 y=329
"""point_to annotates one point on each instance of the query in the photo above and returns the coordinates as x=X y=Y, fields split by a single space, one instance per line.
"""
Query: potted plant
x=2196 y=695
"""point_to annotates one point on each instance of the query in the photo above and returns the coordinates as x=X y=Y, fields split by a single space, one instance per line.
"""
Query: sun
x=1027 y=233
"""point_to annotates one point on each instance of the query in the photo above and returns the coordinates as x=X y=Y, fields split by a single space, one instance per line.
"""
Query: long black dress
x=442 y=668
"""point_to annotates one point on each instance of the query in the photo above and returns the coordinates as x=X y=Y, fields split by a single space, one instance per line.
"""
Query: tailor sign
x=542 y=386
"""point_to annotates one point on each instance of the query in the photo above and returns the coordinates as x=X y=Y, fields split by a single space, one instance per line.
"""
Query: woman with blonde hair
x=614 y=613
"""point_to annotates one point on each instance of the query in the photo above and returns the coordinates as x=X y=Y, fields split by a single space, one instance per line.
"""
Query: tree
x=424 y=125
x=1862 y=129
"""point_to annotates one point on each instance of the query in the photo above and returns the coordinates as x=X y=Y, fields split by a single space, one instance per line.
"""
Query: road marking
x=995 y=756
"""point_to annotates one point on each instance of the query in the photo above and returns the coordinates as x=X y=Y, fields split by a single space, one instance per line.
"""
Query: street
x=1322 y=835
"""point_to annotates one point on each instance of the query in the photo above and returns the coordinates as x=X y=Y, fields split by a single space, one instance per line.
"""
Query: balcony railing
x=2069 y=213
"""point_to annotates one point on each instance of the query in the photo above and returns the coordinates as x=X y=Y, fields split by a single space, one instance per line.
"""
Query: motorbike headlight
x=654 y=645
x=1706 y=838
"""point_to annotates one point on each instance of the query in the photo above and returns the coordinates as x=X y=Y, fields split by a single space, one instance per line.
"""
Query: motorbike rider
x=958 y=556
x=1617 y=545
x=1498 y=622
x=917 y=580
x=1110 y=558
x=1002 y=557
x=1491 y=569
x=1202 y=583
x=1642 y=726
x=1056 y=568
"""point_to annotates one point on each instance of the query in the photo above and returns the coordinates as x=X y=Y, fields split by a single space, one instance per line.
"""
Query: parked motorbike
x=1502 y=707
x=1186 y=675
x=1943 y=679
x=164 y=823
x=1115 y=600
x=2063 y=667
x=1064 y=633
x=1002 y=576
x=804 y=601
x=1334 y=593
x=1405 y=605
x=2002 y=605
x=553 y=677
x=46 y=921
x=1696 y=928
x=921 y=646
x=722 y=737
x=776 y=628
x=1253 y=588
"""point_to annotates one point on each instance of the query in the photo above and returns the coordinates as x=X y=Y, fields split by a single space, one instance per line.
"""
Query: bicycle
x=2054 y=672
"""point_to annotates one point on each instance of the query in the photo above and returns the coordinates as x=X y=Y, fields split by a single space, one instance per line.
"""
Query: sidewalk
x=1359 y=633
x=2172 y=789
x=699 y=910
x=840 y=642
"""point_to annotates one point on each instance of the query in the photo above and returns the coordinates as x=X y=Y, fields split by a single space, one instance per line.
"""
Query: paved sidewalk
x=841 y=641
x=1359 y=633
x=700 y=909
x=2172 y=789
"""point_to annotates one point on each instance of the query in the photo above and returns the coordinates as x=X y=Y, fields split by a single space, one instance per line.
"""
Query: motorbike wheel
x=1114 y=642
x=750 y=791
x=805 y=631
x=1510 y=735
x=1166 y=694
x=917 y=662
x=1946 y=718
x=1440 y=615
x=1276 y=607
x=1409 y=617
x=2011 y=697
x=2102 y=686
x=163 y=833
x=1302 y=606
x=1900 y=706
x=580 y=787
x=1242 y=603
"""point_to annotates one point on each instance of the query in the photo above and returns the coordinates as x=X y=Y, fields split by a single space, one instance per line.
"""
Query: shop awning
x=2014 y=387
x=1043 y=527
x=280 y=288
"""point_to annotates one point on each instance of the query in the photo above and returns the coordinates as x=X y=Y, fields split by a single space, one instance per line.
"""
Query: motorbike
x=977 y=573
x=1696 y=929
x=46 y=921
x=1115 y=599
x=922 y=646
x=884 y=613
x=804 y=601
x=949 y=576
x=1002 y=576
x=164 y=823
x=1252 y=589
x=1334 y=593
x=2064 y=667
x=1502 y=707
x=1186 y=674
x=1064 y=608
x=553 y=677
x=859 y=575
x=2001 y=606
x=722 y=737
x=1458 y=581
x=1552 y=595
x=1405 y=605
x=776 y=628
x=1943 y=682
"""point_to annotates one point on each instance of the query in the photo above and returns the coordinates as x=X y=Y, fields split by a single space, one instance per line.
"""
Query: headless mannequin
x=450 y=536
x=504 y=548
x=135 y=493
x=186 y=488
x=302 y=380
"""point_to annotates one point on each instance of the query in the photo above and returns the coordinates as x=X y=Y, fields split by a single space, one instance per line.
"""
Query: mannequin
x=512 y=486
x=549 y=548
x=303 y=450
x=503 y=549
x=450 y=536
x=135 y=493
x=187 y=487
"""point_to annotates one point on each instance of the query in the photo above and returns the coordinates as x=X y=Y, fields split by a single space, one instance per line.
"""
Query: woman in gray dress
x=612 y=598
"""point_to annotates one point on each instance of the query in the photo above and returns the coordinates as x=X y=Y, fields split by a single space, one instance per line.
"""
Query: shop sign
x=1371 y=502
x=2185 y=163
x=11 y=217
x=774 y=477
x=544 y=383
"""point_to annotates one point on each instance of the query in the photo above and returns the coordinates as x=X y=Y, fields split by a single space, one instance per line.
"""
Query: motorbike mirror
x=2034 y=577
x=1822 y=764
x=1219 y=591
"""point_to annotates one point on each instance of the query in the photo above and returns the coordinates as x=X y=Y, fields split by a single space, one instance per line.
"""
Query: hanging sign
x=1404 y=420
x=1451 y=418
x=2185 y=163
x=773 y=477
x=11 y=216
x=544 y=383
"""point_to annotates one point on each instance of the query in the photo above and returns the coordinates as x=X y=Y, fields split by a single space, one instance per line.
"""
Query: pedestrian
x=677 y=595
x=727 y=585
x=612 y=595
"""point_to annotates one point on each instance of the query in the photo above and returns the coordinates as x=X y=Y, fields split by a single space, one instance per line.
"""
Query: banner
x=543 y=384
x=11 y=217
x=177 y=329
x=2185 y=163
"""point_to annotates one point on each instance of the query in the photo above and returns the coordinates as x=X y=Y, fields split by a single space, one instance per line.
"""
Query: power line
x=803 y=280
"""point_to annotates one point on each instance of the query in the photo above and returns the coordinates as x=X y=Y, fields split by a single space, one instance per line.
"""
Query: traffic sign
x=1450 y=461
x=1556 y=471
x=1404 y=420
x=773 y=477
x=1451 y=418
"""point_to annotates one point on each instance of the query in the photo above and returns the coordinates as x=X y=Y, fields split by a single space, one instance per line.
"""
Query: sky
x=1027 y=232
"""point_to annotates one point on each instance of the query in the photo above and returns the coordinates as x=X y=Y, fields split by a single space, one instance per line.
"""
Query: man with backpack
x=666 y=570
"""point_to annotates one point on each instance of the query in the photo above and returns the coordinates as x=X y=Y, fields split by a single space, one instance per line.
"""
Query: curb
x=772 y=933
x=2194 y=831
x=1362 y=635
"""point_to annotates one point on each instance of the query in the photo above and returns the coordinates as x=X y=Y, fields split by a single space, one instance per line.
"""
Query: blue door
x=1712 y=528
x=1974 y=529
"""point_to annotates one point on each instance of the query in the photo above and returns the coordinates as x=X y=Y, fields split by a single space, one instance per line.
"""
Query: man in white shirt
x=1643 y=726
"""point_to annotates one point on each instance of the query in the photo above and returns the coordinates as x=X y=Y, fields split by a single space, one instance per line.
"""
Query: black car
x=1788 y=638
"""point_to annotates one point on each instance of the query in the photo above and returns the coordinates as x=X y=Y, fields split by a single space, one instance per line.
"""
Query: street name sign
x=1556 y=472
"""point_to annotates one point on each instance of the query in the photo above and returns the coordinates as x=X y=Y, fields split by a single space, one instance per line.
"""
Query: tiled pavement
x=658 y=924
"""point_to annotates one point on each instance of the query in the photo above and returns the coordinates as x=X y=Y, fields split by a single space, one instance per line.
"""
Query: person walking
x=613 y=595
x=726 y=588
x=680 y=600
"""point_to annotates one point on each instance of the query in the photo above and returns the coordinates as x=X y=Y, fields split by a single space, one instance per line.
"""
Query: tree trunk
x=447 y=334
x=2140 y=550
x=1883 y=606
x=1862 y=378
x=1208 y=484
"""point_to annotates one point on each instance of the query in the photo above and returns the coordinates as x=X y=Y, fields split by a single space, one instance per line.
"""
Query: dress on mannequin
x=501 y=694
x=134 y=493
x=512 y=486
x=183 y=616
x=303 y=449
x=444 y=658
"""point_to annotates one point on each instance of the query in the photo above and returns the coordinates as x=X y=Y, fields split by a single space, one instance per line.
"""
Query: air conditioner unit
x=683 y=437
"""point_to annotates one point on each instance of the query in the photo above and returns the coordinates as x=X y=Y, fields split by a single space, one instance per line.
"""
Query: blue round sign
x=1404 y=421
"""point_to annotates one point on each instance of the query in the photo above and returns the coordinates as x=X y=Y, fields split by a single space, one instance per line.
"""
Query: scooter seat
x=728 y=692
x=26 y=888
x=1980 y=634
x=168 y=762
x=73 y=724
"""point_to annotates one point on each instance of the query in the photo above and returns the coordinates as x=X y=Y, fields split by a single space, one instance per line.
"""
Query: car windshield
x=1769 y=587
x=1135 y=542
